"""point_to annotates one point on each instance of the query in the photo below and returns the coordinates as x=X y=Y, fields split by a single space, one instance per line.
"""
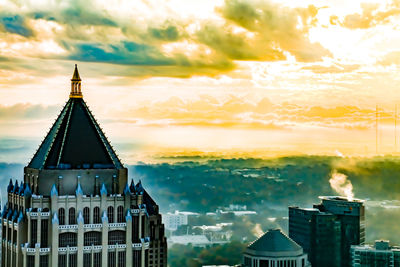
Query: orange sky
x=233 y=77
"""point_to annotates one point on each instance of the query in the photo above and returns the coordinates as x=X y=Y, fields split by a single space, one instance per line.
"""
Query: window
x=92 y=238
x=116 y=237
x=96 y=215
x=111 y=259
x=62 y=260
x=44 y=237
x=86 y=215
x=97 y=259
x=110 y=214
x=120 y=214
x=61 y=216
x=33 y=232
x=87 y=260
x=30 y=261
x=71 y=216
x=121 y=259
x=67 y=239
x=15 y=237
x=73 y=260
x=44 y=261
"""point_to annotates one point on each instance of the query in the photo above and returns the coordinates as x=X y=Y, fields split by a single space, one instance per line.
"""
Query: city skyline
x=280 y=78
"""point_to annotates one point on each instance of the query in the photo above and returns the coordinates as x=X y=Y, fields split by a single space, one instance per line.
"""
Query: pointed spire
x=75 y=76
x=55 y=219
x=104 y=218
x=16 y=187
x=79 y=190
x=54 y=191
x=139 y=187
x=21 y=189
x=27 y=191
x=128 y=216
x=76 y=84
x=103 y=190
x=10 y=186
x=20 y=217
x=127 y=191
x=80 y=218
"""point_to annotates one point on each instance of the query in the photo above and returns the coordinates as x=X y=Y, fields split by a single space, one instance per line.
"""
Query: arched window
x=71 y=216
x=86 y=215
x=96 y=215
x=67 y=240
x=110 y=214
x=61 y=216
x=92 y=238
x=116 y=237
x=120 y=214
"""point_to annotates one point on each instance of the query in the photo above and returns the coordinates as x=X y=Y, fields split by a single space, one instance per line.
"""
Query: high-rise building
x=327 y=230
x=274 y=249
x=75 y=207
x=381 y=254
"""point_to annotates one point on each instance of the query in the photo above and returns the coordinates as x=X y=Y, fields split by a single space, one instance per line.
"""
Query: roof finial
x=76 y=84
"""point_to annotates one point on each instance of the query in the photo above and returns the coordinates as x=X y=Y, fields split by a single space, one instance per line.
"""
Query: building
x=75 y=207
x=274 y=249
x=327 y=230
x=381 y=254
x=194 y=240
x=173 y=220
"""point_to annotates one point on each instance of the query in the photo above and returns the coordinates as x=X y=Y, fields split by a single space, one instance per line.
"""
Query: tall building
x=381 y=254
x=75 y=207
x=327 y=230
x=274 y=249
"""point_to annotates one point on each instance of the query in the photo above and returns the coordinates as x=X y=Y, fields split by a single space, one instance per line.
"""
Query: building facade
x=327 y=231
x=379 y=255
x=274 y=249
x=75 y=206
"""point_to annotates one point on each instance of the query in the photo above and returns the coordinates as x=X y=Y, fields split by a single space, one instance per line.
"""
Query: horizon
x=280 y=79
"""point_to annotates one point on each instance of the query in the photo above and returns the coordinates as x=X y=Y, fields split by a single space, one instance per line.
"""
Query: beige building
x=75 y=207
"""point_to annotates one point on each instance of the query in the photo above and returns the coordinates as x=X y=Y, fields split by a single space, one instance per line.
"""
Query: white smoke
x=341 y=185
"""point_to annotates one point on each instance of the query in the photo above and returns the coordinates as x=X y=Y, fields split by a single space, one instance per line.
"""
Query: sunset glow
x=218 y=78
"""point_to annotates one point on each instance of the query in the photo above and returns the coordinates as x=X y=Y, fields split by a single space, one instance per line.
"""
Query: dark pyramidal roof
x=75 y=141
x=274 y=241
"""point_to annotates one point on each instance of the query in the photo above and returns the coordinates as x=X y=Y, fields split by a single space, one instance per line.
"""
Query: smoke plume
x=341 y=185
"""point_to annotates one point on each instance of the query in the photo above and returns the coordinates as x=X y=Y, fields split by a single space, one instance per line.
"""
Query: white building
x=274 y=249
x=173 y=220
x=381 y=254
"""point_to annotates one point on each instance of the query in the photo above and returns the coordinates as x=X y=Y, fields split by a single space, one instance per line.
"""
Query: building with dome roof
x=274 y=249
x=75 y=207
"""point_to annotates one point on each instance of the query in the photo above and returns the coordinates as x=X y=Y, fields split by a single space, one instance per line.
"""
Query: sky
x=226 y=78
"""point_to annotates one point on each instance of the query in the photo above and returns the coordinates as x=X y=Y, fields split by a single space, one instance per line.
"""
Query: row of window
x=86 y=215
x=91 y=238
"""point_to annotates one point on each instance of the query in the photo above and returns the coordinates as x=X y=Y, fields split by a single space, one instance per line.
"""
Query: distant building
x=381 y=254
x=194 y=240
x=327 y=231
x=274 y=249
x=173 y=220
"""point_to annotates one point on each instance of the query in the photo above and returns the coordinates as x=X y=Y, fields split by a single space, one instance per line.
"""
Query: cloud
x=334 y=68
x=236 y=112
x=15 y=24
x=391 y=58
x=372 y=15
x=169 y=46
x=271 y=30
x=27 y=112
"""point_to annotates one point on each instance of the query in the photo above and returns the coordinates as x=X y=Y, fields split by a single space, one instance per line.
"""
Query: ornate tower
x=75 y=207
